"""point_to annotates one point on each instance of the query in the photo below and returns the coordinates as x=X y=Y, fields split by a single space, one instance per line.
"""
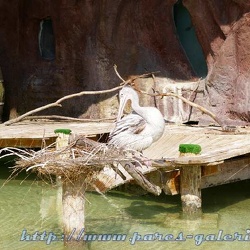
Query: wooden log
x=73 y=201
x=62 y=141
x=171 y=183
x=190 y=189
x=73 y=198
x=59 y=200
x=168 y=180
x=190 y=184
x=141 y=180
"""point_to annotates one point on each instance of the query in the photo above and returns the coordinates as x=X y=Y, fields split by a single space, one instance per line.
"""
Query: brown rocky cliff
x=223 y=28
x=138 y=36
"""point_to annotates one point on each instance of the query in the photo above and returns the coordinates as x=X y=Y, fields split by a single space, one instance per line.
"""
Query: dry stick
x=58 y=117
x=132 y=78
x=141 y=180
x=57 y=103
x=117 y=73
x=154 y=81
x=225 y=128
x=177 y=96
x=204 y=110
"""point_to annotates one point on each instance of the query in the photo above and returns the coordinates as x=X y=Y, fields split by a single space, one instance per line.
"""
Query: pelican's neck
x=153 y=118
x=142 y=111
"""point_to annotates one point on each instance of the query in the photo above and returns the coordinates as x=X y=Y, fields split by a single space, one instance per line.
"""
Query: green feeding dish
x=190 y=148
x=63 y=131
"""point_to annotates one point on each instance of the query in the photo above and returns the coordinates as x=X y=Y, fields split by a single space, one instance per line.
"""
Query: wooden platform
x=217 y=148
x=225 y=156
x=33 y=134
x=216 y=145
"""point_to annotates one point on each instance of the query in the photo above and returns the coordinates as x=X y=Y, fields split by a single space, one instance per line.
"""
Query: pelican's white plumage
x=139 y=129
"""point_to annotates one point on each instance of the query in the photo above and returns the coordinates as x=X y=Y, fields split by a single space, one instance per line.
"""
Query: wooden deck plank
x=216 y=146
x=34 y=134
x=226 y=151
x=46 y=129
x=26 y=142
x=230 y=171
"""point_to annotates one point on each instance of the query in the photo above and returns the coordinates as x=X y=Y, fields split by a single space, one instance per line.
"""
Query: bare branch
x=204 y=110
x=132 y=78
x=57 y=103
x=117 y=73
x=67 y=118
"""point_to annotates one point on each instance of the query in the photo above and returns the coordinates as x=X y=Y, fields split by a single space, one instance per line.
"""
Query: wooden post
x=62 y=141
x=190 y=189
x=190 y=184
x=73 y=199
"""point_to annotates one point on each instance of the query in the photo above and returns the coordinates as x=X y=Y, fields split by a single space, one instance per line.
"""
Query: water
x=32 y=205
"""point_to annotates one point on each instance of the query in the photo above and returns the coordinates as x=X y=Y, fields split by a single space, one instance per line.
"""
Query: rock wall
x=138 y=36
x=223 y=28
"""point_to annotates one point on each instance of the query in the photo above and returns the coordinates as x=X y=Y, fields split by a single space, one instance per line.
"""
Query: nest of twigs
x=82 y=157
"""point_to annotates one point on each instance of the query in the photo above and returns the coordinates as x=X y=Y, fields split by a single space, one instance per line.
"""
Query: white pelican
x=139 y=129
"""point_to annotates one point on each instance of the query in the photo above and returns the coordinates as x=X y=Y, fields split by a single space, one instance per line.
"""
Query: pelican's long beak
x=122 y=105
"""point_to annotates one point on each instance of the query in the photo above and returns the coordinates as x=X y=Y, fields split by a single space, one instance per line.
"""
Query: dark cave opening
x=47 y=39
x=188 y=39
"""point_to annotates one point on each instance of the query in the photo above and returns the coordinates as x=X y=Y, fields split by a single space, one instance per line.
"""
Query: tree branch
x=57 y=103
x=67 y=118
x=204 y=110
x=133 y=78
x=117 y=73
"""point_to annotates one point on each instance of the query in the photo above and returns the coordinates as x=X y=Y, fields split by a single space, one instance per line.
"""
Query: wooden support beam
x=190 y=183
x=73 y=202
x=168 y=180
x=141 y=180
x=26 y=142
x=190 y=189
x=211 y=169
x=232 y=170
x=73 y=199
x=171 y=184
